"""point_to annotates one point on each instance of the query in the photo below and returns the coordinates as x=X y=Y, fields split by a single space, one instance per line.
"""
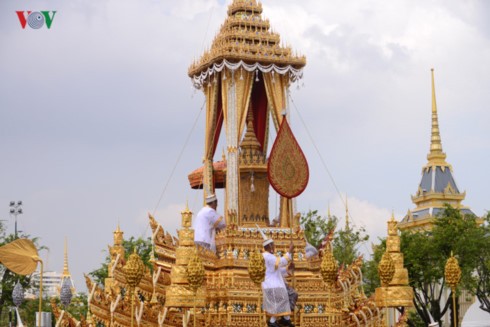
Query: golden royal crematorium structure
x=245 y=77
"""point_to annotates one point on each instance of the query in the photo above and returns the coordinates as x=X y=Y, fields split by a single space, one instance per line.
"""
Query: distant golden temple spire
x=437 y=186
x=66 y=272
x=436 y=156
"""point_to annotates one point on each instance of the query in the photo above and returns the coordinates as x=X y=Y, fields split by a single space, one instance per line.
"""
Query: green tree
x=482 y=272
x=426 y=253
x=142 y=246
x=370 y=268
x=316 y=227
x=345 y=243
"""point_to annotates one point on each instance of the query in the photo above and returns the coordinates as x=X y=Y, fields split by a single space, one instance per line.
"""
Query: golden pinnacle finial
x=186 y=217
x=329 y=215
x=118 y=235
x=392 y=215
x=436 y=155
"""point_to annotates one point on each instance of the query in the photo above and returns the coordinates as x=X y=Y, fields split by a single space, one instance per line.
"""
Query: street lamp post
x=15 y=209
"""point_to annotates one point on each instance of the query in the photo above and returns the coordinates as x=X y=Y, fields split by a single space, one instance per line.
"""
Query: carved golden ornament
x=329 y=267
x=195 y=272
x=386 y=269
x=287 y=167
x=452 y=272
x=134 y=270
x=256 y=267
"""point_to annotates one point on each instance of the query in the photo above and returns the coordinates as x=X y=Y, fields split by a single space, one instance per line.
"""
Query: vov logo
x=36 y=19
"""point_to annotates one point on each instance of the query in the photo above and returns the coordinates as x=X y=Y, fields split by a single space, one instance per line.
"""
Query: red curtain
x=259 y=106
x=219 y=121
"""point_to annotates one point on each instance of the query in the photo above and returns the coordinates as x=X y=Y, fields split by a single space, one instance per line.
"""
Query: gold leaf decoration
x=134 y=269
x=256 y=267
x=20 y=256
x=329 y=267
x=195 y=272
x=386 y=269
x=287 y=166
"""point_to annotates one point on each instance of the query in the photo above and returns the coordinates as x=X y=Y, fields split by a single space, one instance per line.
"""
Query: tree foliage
x=316 y=227
x=345 y=243
x=482 y=287
x=370 y=268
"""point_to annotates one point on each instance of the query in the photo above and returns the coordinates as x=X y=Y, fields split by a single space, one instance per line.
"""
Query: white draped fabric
x=209 y=74
x=276 y=299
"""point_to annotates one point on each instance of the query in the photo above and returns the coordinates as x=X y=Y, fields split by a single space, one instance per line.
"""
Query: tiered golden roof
x=246 y=36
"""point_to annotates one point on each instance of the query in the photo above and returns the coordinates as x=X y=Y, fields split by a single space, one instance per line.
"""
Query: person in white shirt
x=207 y=221
x=276 y=298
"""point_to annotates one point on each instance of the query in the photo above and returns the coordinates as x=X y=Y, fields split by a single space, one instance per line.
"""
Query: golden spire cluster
x=246 y=36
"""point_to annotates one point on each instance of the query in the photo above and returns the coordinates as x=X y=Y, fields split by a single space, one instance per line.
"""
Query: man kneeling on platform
x=276 y=299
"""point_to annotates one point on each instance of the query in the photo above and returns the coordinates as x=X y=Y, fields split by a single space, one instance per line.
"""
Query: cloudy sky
x=96 y=110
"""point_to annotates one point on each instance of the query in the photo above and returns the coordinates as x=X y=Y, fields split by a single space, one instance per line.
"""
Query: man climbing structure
x=207 y=221
x=276 y=299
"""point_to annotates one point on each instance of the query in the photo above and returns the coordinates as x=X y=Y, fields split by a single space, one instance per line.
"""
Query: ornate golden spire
x=436 y=156
x=250 y=139
x=66 y=272
x=437 y=186
x=118 y=236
